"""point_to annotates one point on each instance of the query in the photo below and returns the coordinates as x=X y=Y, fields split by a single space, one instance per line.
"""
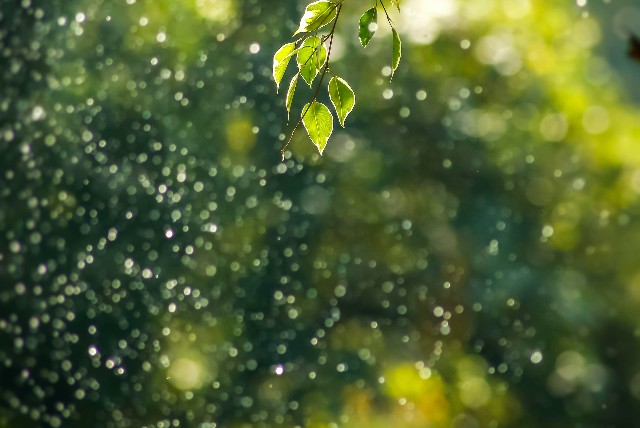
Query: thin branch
x=386 y=14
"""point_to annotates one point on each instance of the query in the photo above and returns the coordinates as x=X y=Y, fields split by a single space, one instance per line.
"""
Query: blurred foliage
x=462 y=256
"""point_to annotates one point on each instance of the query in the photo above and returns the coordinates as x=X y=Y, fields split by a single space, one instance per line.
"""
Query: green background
x=465 y=253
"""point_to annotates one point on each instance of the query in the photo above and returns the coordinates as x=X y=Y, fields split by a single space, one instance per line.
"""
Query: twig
x=386 y=14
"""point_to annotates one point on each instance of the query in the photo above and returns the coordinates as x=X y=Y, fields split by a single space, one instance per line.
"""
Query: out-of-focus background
x=465 y=254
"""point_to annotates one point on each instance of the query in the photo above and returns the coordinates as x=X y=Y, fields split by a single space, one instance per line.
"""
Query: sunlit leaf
x=396 y=3
x=368 y=26
x=317 y=15
x=397 y=52
x=342 y=97
x=318 y=122
x=290 y=92
x=311 y=57
x=281 y=61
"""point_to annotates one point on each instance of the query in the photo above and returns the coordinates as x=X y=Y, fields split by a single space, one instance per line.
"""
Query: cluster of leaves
x=313 y=59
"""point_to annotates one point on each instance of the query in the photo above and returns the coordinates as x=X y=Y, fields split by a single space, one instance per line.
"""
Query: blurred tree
x=464 y=253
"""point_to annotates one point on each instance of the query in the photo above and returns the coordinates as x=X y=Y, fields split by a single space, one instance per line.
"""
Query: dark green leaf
x=368 y=26
x=397 y=52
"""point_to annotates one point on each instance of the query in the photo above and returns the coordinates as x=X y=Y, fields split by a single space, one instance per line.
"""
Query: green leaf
x=368 y=26
x=281 y=61
x=290 y=92
x=311 y=57
x=342 y=97
x=397 y=51
x=396 y=3
x=317 y=15
x=318 y=122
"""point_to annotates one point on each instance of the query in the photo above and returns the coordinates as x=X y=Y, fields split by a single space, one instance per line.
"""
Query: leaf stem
x=386 y=14
x=317 y=91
